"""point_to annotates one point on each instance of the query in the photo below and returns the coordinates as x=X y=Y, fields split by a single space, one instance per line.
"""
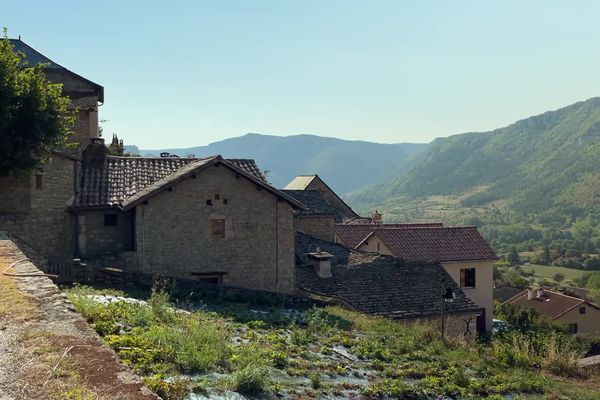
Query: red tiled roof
x=436 y=244
x=550 y=303
x=123 y=177
x=353 y=234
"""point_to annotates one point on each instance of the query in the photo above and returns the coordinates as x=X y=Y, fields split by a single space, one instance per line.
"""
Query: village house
x=384 y=285
x=318 y=217
x=579 y=315
x=343 y=212
x=462 y=251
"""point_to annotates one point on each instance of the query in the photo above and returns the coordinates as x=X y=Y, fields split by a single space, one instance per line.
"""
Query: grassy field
x=548 y=271
x=276 y=352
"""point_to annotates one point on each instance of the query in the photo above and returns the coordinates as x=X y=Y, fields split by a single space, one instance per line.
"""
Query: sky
x=187 y=73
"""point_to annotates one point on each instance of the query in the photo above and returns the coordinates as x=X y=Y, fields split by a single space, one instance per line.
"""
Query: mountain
x=346 y=165
x=542 y=171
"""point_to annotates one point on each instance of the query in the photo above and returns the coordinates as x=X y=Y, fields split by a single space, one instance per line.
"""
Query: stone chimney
x=377 y=218
x=321 y=261
x=94 y=154
x=529 y=294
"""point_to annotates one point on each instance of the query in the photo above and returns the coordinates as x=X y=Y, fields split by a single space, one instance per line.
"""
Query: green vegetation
x=549 y=271
x=33 y=114
x=324 y=352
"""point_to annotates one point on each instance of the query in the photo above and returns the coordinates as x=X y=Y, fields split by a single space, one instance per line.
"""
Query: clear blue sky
x=184 y=73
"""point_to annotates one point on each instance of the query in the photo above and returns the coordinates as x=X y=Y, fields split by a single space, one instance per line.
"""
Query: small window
x=39 y=181
x=217 y=227
x=212 y=278
x=225 y=201
x=582 y=310
x=110 y=219
x=378 y=247
x=217 y=196
x=467 y=277
x=209 y=202
x=573 y=328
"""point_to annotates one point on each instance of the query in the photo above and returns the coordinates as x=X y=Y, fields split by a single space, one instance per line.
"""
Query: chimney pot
x=321 y=261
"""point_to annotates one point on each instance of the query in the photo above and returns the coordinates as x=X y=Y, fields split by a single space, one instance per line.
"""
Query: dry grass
x=13 y=303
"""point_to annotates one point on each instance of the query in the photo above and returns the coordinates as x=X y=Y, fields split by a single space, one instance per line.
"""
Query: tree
x=514 y=256
x=33 y=113
x=558 y=277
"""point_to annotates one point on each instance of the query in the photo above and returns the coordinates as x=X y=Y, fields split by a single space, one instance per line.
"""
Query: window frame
x=213 y=228
x=468 y=276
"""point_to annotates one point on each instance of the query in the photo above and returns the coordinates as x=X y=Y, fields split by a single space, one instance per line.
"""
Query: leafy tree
x=558 y=277
x=514 y=256
x=33 y=113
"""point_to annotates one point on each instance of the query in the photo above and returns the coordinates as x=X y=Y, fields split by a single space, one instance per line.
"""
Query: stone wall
x=319 y=226
x=96 y=239
x=15 y=194
x=173 y=232
x=46 y=226
x=86 y=127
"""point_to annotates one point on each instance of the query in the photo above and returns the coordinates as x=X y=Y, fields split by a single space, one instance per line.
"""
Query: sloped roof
x=376 y=284
x=550 y=303
x=122 y=181
x=436 y=244
x=300 y=182
x=313 y=200
x=353 y=234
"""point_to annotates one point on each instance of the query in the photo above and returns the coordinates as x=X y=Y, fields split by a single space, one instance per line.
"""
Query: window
x=467 y=277
x=217 y=196
x=209 y=202
x=225 y=201
x=217 y=227
x=214 y=278
x=582 y=310
x=39 y=181
x=572 y=328
x=110 y=219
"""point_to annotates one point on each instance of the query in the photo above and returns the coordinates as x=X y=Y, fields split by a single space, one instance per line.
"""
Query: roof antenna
x=19 y=37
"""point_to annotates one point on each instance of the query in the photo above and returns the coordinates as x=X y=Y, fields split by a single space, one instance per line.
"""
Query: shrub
x=251 y=372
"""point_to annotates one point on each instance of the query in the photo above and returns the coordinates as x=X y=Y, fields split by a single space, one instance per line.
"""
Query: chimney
x=529 y=294
x=321 y=261
x=377 y=217
x=540 y=292
x=94 y=154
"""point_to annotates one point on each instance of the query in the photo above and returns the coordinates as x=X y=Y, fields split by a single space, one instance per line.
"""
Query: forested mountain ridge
x=543 y=171
x=346 y=165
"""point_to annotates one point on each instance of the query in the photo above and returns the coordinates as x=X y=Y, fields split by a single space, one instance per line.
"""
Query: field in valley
x=548 y=271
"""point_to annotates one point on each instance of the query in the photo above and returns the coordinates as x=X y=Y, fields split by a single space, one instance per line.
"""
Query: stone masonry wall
x=15 y=194
x=173 y=234
x=95 y=239
x=46 y=227
x=319 y=226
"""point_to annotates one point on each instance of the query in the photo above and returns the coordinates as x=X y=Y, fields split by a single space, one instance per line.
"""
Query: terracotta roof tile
x=376 y=284
x=550 y=303
x=436 y=244
x=354 y=233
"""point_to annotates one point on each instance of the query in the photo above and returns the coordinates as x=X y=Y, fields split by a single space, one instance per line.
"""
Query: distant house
x=581 y=316
x=318 y=216
x=343 y=212
x=382 y=285
x=209 y=219
x=462 y=251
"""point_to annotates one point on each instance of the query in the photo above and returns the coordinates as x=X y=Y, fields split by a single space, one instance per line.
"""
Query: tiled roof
x=353 y=234
x=436 y=244
x=121 y=178
x=378 y=285
x=31 y=56
x=83 y=102
x=550 y=303
x=313 y=200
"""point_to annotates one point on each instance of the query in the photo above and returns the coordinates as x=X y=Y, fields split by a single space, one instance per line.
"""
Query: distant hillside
x=543 y=170
x=346 y=165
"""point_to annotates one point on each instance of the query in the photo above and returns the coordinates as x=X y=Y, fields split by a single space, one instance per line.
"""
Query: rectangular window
x=217 y=227
x=214 y=278
x=582 y=310
x=467 y=277
x=39 y=181
x=110 y=219
x=573 y=328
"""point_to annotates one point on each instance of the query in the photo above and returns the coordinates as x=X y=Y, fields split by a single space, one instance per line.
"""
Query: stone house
x=580 y=315
x=209 y=219
x=33 y=206
x=343 y=212
x=462 y=251
x=383 y=285
x=318 y=217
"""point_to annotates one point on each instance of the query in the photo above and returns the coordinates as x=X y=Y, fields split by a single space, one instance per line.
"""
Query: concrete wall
x=46 y=226
x=586 y=323
x=95 y=239
x=342 y=209
x=319 y=226
x=257 y=252
x=483 y=292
